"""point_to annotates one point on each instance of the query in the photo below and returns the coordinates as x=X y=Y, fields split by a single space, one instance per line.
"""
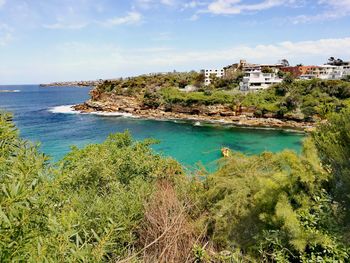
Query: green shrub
x=92 y=205
x=87 y=209
x=274 y=207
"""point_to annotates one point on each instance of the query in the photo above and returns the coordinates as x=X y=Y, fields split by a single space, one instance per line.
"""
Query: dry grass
x=167 y=234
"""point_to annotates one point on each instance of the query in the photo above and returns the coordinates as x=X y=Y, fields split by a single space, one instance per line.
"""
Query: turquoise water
x=36 y=114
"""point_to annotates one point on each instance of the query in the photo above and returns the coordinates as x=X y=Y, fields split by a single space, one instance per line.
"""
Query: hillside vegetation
x=306 y=100
x=120 y=202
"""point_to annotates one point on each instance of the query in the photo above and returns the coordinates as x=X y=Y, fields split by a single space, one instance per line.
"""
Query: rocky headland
x=90 y=83
x=224 y=114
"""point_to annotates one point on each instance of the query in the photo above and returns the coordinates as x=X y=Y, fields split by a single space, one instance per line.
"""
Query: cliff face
x=241 y=116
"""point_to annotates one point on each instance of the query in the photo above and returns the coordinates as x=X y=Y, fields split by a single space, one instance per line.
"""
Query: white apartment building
x=219 y=73
x=328 y=72
x=345 y=70
x=256 y=80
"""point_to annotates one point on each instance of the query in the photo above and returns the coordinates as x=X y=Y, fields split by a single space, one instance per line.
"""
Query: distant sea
x=43 y=116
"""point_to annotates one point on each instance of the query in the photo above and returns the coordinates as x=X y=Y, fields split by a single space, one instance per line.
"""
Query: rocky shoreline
x=91 y=83
x=219 y=114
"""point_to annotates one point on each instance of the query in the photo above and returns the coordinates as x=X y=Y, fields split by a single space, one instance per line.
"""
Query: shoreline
x=63 y=86
x=225 y=121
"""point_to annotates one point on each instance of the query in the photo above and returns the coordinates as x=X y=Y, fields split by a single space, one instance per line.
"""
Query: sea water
x=44 y=115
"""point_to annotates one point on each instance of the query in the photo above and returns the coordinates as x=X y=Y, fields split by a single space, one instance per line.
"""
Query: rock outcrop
x=215 y=113
x=89 y=83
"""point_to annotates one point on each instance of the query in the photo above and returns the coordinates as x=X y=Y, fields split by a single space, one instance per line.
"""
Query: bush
x=119 y=201
x=274 y=207
x=88 y=208
x=332 y=140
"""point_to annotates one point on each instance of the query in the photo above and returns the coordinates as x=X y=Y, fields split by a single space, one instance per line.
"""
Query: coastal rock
x=227 y=113
x=89 y=83
x=215 y=113
x=296 y=116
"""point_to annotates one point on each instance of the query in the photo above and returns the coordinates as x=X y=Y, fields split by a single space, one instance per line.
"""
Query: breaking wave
x=68 y=109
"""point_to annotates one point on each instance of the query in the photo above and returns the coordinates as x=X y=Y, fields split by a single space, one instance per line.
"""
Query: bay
x=42 y=116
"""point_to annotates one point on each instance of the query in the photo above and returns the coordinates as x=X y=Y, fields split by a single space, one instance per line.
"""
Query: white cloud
x=192 y=4
x=147 y=4
x=2 y=3
x=163 y=36
x=232 y=7
x=334 y=9
x=338 y=4
x=299 y=52
x=62 y=25
x=6 y=34
x=167 y=2
x=76 y=61
x=131 y=18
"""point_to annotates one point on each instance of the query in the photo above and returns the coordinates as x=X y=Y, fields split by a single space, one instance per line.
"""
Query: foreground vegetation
x=304 y=100
x=120 y=202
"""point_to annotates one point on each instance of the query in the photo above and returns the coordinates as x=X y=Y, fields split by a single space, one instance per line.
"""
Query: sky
x=62 y=40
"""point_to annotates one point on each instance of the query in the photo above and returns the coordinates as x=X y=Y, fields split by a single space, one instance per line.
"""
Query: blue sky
x=56 y=40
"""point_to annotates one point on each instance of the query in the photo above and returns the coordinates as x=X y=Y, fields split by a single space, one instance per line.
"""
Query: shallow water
x=43 y=116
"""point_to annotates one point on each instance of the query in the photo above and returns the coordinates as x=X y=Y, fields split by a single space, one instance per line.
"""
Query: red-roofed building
x=298 y=71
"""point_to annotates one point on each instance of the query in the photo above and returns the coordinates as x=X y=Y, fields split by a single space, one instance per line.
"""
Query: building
x=273 y=67
x=327 y=72
x=346 y=70
x=256 y=80
x=230 y=70
x=210 y=73
x=246 y=67
x=297 y=71
x=335 y=69
x=261 y=76
x=243 y=65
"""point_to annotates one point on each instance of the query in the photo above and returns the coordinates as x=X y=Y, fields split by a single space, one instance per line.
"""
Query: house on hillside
x=297 y=71
x=333 y=70
x=210 y=73
x=229 y=71
x=273 y=67
x=326 y=72
x=256 y=80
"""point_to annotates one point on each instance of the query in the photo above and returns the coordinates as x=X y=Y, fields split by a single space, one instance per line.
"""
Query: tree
x=335 y=61
x=288 y=79
x=331 y=60
x=285 y=63
x=274 y=207
x=347 y=78
x=267 y=70
x=332 y=140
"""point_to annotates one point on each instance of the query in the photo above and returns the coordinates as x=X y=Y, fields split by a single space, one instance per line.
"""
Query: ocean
x=43 y=116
